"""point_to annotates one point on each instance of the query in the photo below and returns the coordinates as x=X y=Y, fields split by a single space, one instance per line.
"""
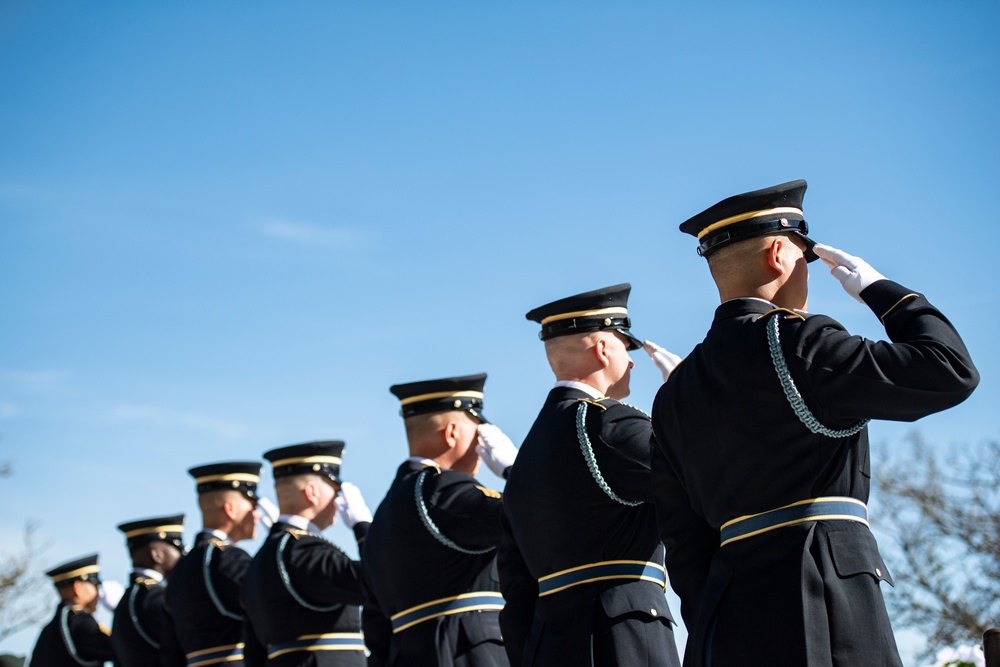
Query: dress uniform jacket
x=728 y=444
x=302 y=597
x=73 y=638
x=204 y=606
x=140 y=617
x=558 y=516
x=408 y=565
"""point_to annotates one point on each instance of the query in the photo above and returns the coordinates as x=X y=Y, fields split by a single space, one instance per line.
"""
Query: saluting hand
x=351 y=505
x=664 y=360
x=269 y=512
x=854 y=273
x=495 y=449
x=110 y=593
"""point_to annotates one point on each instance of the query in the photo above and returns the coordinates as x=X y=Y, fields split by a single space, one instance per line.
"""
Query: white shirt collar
x=300 y=522
x=585 y=388
x=149 y=574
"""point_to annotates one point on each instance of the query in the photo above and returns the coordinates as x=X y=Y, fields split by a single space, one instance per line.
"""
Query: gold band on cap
x=746 y=216
x=173 y=528
x=229 y=477
x=616 y=310
x=335 y=460
x=441 y=394
x=78 y=572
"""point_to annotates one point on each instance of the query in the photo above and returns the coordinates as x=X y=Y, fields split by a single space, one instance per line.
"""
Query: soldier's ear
x=601 y=351
x=451 y=433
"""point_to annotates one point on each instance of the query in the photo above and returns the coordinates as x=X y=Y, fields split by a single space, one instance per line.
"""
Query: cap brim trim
x=172 y=528
x=616 y=310
x=334 y=460
x=231 y=477
x=747 y=216
x=441 y=394
x=78 y=572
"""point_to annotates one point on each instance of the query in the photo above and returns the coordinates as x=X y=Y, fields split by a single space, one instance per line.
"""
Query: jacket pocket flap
x=638 y=598
x=855 y=552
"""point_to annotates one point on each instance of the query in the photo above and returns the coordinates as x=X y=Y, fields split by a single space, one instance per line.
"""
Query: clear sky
x=230 y=226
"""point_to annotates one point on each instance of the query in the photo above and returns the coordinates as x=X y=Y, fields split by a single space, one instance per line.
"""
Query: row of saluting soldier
x=748 y=486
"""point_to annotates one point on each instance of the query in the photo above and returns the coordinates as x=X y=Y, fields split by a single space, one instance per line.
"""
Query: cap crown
x=322 y=457
x=240 y=476
x=442 y=395
x=773 y=210
x=597 y=310
x=168 y=529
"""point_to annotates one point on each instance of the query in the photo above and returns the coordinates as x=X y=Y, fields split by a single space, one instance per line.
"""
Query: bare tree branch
x=941 y=509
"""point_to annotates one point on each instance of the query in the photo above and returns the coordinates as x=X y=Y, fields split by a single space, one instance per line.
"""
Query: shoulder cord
x=591 y=460
x=425 y=517
x=207 y=571
x=135 y=619
x=68 y=641
x=286 y=580
x=795 y=399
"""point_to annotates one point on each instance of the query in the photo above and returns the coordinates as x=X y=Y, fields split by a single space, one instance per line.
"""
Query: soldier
x=581 y=565
x=430 y=557
x=73 y=637
x=155 y=545
x=203 y=599
x=302 y=593
x=761 y=463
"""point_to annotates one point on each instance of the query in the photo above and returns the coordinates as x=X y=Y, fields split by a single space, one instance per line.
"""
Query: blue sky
x=227 y=227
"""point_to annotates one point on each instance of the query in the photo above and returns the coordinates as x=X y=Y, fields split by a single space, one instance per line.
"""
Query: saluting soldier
x=761 y=461
x=74 y=637
x=155 y=545
x=301 y=592
x=581 y=565
x=430 y=556
x=204 y=604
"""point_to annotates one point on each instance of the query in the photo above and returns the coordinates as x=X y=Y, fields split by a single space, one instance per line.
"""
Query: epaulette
x=105 y=629
x=597 y=402
x=217 y=543
x=432 y=467
x=788 y=313
x=146 y=581
x=489 y=493
x=297 y=532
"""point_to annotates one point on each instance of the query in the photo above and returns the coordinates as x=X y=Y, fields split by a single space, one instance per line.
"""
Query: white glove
x=268 y=512
x=351 y=505
x=664 y=360
x=110 y=593
x=854 y=273
x=495 y=449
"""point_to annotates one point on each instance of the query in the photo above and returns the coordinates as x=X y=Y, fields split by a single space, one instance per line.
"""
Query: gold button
x=607 y=321
x=653 y=612
x=236 y=484
x=316 y=467
x=458 y=403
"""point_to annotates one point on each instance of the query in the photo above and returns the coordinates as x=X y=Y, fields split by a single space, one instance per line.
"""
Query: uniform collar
x=300 y=522
x=741 y=307
x=217 y=534
x=147 y=573
x=580 y=386
x=422 y=462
